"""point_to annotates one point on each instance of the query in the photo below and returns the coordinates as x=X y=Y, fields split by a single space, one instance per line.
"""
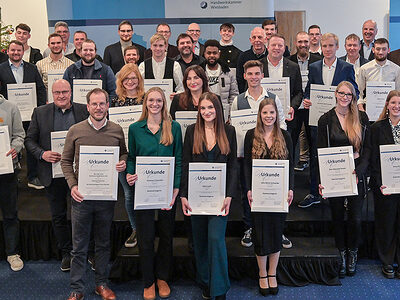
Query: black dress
x=267 y=227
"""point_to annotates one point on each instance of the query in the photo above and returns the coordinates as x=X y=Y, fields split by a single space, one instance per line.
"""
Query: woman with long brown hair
x=345 y=125
x=267 y=141
x=210 y=140
x=155 y=134
x=386 y=131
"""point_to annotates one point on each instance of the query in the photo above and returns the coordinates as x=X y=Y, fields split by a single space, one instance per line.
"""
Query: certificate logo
x=203 y=4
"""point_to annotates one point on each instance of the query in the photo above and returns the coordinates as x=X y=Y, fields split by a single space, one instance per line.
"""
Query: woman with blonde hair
x=345 y=125
x=155 y=134
x=267 y=141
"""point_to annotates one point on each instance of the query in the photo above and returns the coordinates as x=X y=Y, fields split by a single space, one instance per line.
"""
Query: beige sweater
x=82 y=134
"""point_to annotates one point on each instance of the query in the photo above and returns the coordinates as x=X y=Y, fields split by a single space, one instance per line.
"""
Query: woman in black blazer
x=386 y=131
x=210 y=140
x=345 y=125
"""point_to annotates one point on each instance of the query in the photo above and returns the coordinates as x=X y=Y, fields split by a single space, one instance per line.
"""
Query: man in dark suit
x=57 y=116
x=271 y=28
x=194 y=31
x=165 y=30
x=352 y=45
x=113 y=54
x=394 y=56
x=23 y=34
x=369 y=31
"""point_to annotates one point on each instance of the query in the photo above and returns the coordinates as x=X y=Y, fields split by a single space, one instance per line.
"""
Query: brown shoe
x=150 y=292
x=75 y=296
x=163 y=289
x=105 y=292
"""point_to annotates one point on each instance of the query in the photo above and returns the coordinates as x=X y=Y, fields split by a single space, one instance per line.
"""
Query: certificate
x=207 y=182
x=52 y=76
x=57 y=139
x=6 y=163
x=185 y=118
x=165 y=84
x=98 y=176
x=270 y=185
x=155 y=184
x=24 y=96
x=390 y=168
x=336 y=166
x=281 y=88
x=83 y=86
x=323 y=99
x=376 y=97
x=125 y=116
x=243 y=120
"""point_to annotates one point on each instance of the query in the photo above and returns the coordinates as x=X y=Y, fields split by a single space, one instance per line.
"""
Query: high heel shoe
x=273 y=290
x=263 y=291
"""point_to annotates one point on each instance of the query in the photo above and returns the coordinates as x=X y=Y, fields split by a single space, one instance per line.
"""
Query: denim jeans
x=128 y=194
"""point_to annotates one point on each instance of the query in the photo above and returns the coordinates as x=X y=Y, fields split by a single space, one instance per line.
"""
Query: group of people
x=204 y=80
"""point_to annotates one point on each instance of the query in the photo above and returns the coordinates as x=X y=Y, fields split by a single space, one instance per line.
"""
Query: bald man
x=194 y=31
x=369 y=31
x=57 y=116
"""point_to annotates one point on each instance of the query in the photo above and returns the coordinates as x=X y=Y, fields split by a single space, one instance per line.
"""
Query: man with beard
x=186 y=57
x=221 y=79
x=55 y=61
x=79 y=37
x=369 y=31
x=63 y=30
x=379 y=69
x=352 y=45
x=113 y=54
x=131 y=55
x=88 y=67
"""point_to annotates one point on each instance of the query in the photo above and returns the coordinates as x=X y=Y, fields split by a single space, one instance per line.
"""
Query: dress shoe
x=343 y=257
x=105 y=292
x=263 y=291
x=273 y=290
x=206 y=293
x=388 y=271
x=75 y=296
x=150 y=292
x=351 y=262
x=66 y=263
x=163 y=289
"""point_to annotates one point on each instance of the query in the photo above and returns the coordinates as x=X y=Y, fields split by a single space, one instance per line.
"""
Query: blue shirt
x=18 y=72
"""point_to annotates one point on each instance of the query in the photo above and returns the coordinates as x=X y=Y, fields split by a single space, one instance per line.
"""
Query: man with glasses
x=62 y=29
x=194 y=32
x=57 y=116
x=314 y=31
x=165 y=30
x=114 y=53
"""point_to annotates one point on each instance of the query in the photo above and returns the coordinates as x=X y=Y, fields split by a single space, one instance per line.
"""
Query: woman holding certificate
x=210 y=141
x=155 y=134
x=345 y=125
x=386 y=131
x=267 y=141
x=130 y=91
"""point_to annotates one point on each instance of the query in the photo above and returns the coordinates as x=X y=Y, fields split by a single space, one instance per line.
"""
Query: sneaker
x=35 y=184
x=132 y=240
x=16 y=263
x=301 y=165
x=246 y=239
x=286 y=243
x=309 y=200
x=91 y=261
x=66 y=263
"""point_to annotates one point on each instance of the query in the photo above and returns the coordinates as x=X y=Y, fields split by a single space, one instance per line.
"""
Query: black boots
x=343 y=257
x=351 y=262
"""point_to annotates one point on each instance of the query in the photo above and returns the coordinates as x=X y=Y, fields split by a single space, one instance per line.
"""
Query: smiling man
x=352 y=45
x=369 y=31
x=62 y=29
x=79 y=37
x=186 y=56
x=23 y=34
x=194 y=31
x=229 y=53
x=165 y=30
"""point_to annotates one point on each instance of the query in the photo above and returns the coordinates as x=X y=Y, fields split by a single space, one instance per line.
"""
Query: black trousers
x=387 y=227
x=31 y=161
x=57 y=194
x=155 y=265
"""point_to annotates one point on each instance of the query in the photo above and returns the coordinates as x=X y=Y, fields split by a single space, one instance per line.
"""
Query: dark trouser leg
x=57 y=193
x=245 y=202
x=200 y=246
x=128 y=195
x=337 y=210
x=311 y=132
x=8 y=204
x=31 y=162
x=354 y=214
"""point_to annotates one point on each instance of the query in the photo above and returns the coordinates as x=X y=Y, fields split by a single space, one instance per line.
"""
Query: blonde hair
x=330 y=35
x=157 y=37
x=166 y=130
x=385 y=113
x=122 y=75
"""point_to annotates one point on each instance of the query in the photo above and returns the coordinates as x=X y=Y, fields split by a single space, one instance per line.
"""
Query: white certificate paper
x=24 y=96
x=6 y=163
x=376 y=97
x=125 y=116
x=83 y=86
x=390 y=168
x=243 y=120
x=185 y=118
x=155 y=184
x=165 y=84
x=57 y=139
x=281 y=88
x=270 y=185
x=207 y=182
x=322 y=99
x=52 y=76
x=336 y=166
x=98 y=176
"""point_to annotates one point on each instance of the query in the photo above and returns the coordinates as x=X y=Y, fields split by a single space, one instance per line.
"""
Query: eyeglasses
x=348 y=95
x=163 y=32
x=95 y=105
x=58 y=93
x=130 y=79
x=193 y=31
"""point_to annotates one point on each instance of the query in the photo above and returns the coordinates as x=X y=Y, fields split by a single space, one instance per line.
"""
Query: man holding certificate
x=55 y=117
x=345 y=125
x=386 y=131
x=85 y=213
x=11 y=143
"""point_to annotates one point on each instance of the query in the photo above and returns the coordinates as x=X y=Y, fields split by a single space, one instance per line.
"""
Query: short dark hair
x=278 y=36
x=163 y=24
x=352 y=36
x=211 y=43
x=381 y=41
x=23 y=26
x=227 y=25
x=314 y=26
x=182 y=36
x=132 y=47
x=53 y=35
x=16 y=43
x=269 y=22
x=91 y=42
x=253 y=63
x=96 y=91
x=80 y=31
x=125 y=22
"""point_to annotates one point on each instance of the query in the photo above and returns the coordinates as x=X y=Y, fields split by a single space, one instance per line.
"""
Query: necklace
x=342 y=114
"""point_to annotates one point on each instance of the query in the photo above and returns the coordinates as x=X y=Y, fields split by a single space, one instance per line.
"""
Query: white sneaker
x=16 y=263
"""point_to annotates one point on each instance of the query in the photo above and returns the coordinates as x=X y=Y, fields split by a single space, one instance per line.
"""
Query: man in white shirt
x=352 y=45
x=314 y=31
x=63 y=30
x=369 y=31
x=379 y=69
x=23 y=34
x=194 y=32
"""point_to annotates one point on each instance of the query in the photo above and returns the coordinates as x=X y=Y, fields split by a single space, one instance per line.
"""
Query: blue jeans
x=128 y=193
